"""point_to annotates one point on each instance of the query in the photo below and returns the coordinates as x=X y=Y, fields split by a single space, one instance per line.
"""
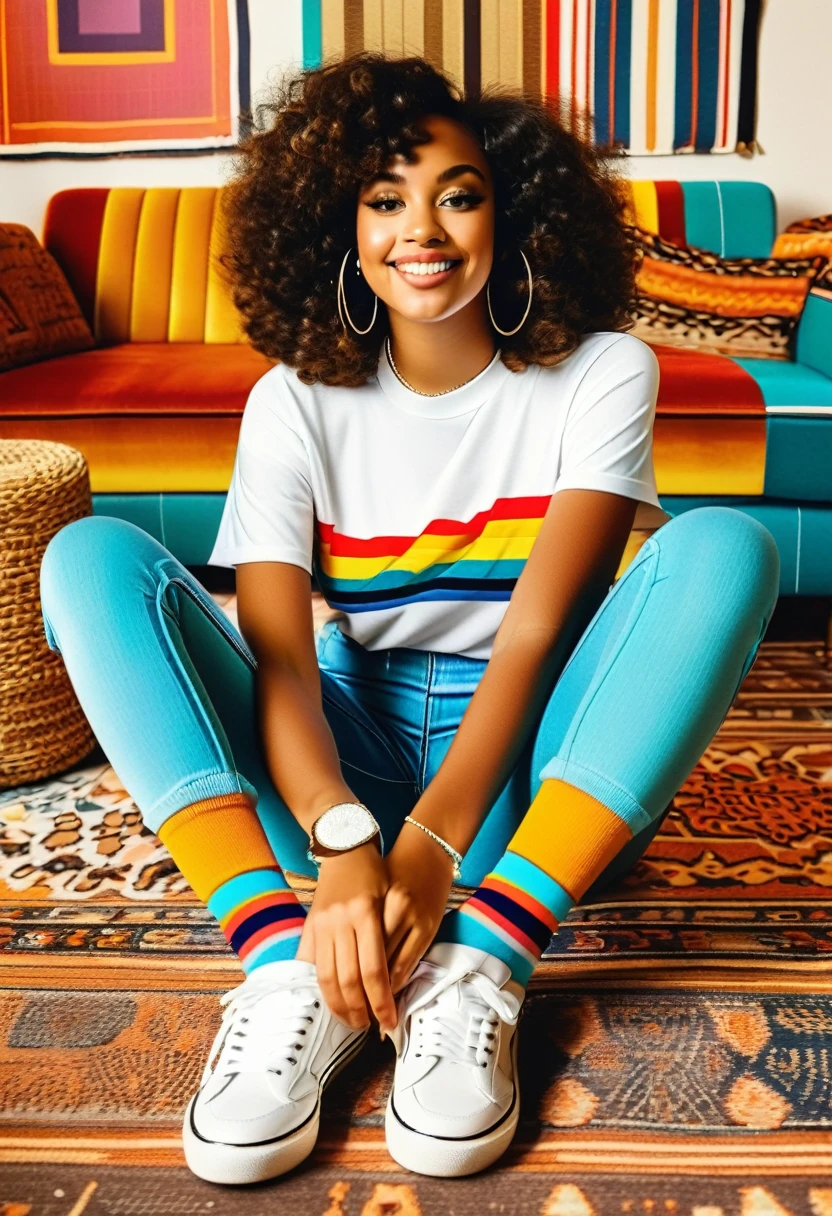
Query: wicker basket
x=43 y=730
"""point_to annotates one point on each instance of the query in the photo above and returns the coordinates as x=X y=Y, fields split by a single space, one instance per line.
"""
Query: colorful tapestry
x=692 y=298
x=653 y=76
x=647 y=76
x=99 y=76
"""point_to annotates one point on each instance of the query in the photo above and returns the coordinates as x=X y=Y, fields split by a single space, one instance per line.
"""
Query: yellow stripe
x=645 y=205
x=222 y=321
x=453 y=50
x=373 y=25
x=189 y=274
x=413 y=27
x=152 y=266
x=570 y=835
x=652 y=73
x=214 y=840
x=513 y=543
x=332 y=29
x=114 y=284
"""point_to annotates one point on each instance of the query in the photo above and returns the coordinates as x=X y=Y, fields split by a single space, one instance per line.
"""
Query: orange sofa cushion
x=137 y=378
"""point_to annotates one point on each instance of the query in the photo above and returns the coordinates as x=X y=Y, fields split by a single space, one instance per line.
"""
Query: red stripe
x=588 y=102
x=273 y=900
x=72 y=234
x=670 y=198
x=342 y=545
x=611 y=86
x=553 y=49
x=523 y=899
x=574 y=57
x=509 y=927
x=268 y=931
x=694 y=72
x=727 y=56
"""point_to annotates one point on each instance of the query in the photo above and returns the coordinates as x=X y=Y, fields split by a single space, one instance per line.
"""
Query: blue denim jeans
x=168 y=684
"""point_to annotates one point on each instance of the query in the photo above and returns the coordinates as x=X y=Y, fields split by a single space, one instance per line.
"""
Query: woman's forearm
x=509 y=697
x=300 y=751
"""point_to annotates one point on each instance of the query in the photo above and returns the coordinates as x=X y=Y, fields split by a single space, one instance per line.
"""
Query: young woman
x=455 y=439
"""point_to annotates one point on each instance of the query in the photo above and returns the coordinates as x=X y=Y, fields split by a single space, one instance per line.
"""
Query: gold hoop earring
x=508 y=332
x=342 y=298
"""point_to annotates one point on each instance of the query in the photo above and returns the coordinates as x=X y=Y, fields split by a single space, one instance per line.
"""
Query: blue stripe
x=684 y=75
x=266 y=916
x=750 y=216
x=708 y=60
x=398 y=601
x=702 y=221
x=312 y=34
x=533 y=928
x=535 y=882
x=275 y=952
x=621 y=84
x=466 y=931
x=501 y=567
x=601 y=83
x=244 y=887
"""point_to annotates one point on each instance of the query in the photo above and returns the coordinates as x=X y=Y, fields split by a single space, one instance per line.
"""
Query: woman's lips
x=426 y=280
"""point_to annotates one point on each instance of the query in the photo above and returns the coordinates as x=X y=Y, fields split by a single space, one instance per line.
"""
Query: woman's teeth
x=424 y=267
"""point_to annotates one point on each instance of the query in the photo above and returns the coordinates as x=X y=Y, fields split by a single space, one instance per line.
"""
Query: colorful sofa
x=156 y=407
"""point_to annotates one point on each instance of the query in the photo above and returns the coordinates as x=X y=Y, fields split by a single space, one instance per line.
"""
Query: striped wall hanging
x=649 y=76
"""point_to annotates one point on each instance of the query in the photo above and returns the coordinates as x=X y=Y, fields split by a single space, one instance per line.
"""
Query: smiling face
x=436 y=211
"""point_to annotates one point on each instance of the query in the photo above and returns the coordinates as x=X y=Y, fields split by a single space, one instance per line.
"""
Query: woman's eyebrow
x=445 y=176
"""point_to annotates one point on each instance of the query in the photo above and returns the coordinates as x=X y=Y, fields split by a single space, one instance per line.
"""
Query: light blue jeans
x=168 y=684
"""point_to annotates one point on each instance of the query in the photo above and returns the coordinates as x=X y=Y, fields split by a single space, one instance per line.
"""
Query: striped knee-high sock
x=566 y=839
x=221 y=848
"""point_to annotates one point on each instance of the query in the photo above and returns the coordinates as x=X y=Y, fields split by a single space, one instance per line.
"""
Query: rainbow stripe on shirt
x=476 y=559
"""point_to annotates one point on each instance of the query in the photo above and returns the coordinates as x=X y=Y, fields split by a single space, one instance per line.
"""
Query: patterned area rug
x=676 y=1045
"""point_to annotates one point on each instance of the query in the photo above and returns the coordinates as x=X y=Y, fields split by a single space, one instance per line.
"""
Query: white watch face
x=344 y=826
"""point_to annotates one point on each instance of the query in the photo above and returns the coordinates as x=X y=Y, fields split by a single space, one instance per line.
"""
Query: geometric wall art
x=102 y=76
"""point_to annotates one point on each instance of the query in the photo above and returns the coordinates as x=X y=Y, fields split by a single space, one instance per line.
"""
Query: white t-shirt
x=419 y=512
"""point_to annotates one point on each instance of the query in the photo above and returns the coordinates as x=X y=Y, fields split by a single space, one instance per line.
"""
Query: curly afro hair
x=291 y=206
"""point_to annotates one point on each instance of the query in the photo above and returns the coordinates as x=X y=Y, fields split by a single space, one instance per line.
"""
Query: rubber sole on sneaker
x=446 y=1157
x=238 y=1164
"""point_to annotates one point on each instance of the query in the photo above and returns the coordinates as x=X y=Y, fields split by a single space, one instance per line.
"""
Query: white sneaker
x=455 y=1102
x=256 y=1114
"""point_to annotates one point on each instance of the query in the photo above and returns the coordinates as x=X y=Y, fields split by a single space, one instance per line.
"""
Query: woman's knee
x=723 y=542
x=90 y=559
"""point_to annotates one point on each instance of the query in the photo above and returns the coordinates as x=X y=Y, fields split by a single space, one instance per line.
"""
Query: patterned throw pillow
x=692 y=298
x=39 y=315
x=805 y=239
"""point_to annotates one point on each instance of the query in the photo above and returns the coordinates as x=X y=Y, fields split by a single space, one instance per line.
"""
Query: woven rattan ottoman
x=43 y=730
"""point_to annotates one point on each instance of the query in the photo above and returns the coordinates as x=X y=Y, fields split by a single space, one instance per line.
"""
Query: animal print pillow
x=692 y=298
x=805 y=239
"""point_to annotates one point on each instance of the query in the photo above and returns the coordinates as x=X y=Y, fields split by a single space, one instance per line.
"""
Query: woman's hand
x=420 y=874
x=343 y=937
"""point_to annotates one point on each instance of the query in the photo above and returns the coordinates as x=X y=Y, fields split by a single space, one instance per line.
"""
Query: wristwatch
x=342 y=827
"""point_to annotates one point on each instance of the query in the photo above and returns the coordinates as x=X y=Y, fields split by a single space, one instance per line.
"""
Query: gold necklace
x=416 y=390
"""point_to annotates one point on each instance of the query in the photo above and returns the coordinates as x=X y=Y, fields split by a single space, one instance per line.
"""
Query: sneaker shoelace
x=463 y=1031
x=272 y=1038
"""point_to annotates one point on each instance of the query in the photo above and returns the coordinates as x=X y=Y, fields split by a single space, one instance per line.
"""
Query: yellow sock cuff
x=570 y=835
x=216 y=839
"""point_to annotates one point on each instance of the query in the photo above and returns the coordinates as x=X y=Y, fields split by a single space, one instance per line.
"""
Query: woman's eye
x=379 y=204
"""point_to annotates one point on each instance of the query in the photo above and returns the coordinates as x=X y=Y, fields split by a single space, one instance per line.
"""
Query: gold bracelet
x=452 y=853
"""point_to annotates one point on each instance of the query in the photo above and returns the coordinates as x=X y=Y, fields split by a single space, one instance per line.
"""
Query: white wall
x=794 y=128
